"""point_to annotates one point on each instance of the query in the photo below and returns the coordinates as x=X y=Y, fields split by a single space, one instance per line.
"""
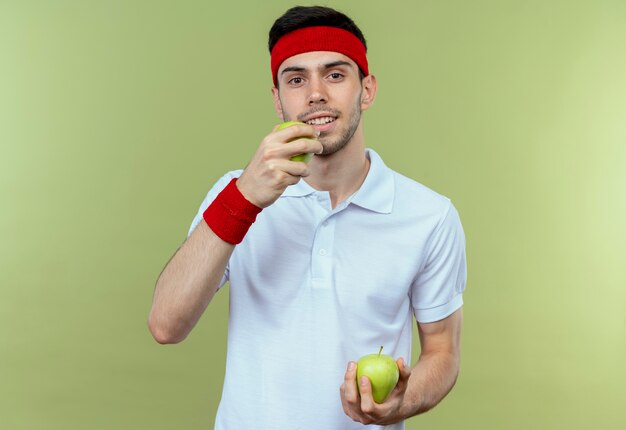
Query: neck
x=341 y=173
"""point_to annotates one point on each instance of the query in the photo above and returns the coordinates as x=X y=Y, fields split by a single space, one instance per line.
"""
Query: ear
x=369 y=91
x=278 y=107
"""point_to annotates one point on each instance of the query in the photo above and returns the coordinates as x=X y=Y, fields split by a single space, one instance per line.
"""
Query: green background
x=117 y=116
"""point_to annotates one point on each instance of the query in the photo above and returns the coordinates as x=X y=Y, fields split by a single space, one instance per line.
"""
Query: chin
x=331 y=148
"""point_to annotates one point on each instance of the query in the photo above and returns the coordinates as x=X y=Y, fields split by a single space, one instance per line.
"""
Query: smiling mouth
x=321 y=121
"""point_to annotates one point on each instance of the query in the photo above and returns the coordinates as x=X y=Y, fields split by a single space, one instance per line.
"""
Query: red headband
x=318 y=38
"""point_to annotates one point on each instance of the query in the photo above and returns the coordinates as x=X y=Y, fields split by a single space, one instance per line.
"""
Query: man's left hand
x=362 y=408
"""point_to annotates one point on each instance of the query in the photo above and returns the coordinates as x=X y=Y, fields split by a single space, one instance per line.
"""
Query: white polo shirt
x=312 y=288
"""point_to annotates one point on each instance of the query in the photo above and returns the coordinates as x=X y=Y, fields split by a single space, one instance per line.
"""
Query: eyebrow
x=325 y=67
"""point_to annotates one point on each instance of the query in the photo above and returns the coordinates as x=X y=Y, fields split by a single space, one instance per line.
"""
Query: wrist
x=412 y=404
x=231 y=215
x=247 y=190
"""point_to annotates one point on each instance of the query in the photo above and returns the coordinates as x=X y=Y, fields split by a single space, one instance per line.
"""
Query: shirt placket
x=323 y=242
x=322 y=249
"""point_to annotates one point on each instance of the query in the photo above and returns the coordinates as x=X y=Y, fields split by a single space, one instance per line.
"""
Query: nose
x=317 y=93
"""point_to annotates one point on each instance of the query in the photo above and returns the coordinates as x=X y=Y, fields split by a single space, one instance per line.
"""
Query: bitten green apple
x=300 y=157
x=382 y=371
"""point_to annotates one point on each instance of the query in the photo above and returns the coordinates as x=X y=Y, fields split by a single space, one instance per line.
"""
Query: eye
x=295 y=81
x=335 y=76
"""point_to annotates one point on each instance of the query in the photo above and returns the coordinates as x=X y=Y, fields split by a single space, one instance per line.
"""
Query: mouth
x=322 y=123
x=323 y=120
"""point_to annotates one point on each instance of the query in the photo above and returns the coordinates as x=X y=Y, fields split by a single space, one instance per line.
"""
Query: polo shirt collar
x=376 y=192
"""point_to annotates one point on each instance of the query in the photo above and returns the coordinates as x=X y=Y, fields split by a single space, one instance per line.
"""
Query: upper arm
x=443 y=335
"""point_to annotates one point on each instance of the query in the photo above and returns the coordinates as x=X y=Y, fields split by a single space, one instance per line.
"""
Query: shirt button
x=322 y=251
x=325 y=224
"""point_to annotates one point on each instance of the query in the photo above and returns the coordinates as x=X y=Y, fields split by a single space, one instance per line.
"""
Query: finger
x=298 y=146
x=292 y=168
x=347 y=409
x=368 y=406
x=350 y=396
x=405 y=373
x=405 y=370
x=296 y=131
x=351 y=393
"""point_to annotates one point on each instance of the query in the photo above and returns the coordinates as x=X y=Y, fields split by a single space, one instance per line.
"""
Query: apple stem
x=381 y=350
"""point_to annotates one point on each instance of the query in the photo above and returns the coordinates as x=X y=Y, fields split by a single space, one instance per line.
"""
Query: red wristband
x=230 y=215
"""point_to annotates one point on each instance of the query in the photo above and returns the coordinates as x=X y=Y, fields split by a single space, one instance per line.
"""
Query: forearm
x=432 y=378
x=187 y=285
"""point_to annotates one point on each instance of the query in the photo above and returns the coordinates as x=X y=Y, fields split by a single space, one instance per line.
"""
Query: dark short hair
x=309 y=16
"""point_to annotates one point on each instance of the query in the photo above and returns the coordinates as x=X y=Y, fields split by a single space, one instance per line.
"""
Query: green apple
x=382 y=371
x=300 y=157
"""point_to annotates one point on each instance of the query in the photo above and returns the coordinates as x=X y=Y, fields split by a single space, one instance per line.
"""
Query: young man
x=327 y=261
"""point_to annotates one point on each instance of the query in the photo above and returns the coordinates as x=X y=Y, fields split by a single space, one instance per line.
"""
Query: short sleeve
x=213 y=192
x=437 y=290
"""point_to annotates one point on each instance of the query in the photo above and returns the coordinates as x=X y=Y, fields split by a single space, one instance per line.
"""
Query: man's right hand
x=271 y=171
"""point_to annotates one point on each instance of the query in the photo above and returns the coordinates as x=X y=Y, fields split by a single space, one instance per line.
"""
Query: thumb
x=365 y=389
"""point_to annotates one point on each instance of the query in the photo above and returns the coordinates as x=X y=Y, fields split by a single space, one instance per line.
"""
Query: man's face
x=322 y=88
